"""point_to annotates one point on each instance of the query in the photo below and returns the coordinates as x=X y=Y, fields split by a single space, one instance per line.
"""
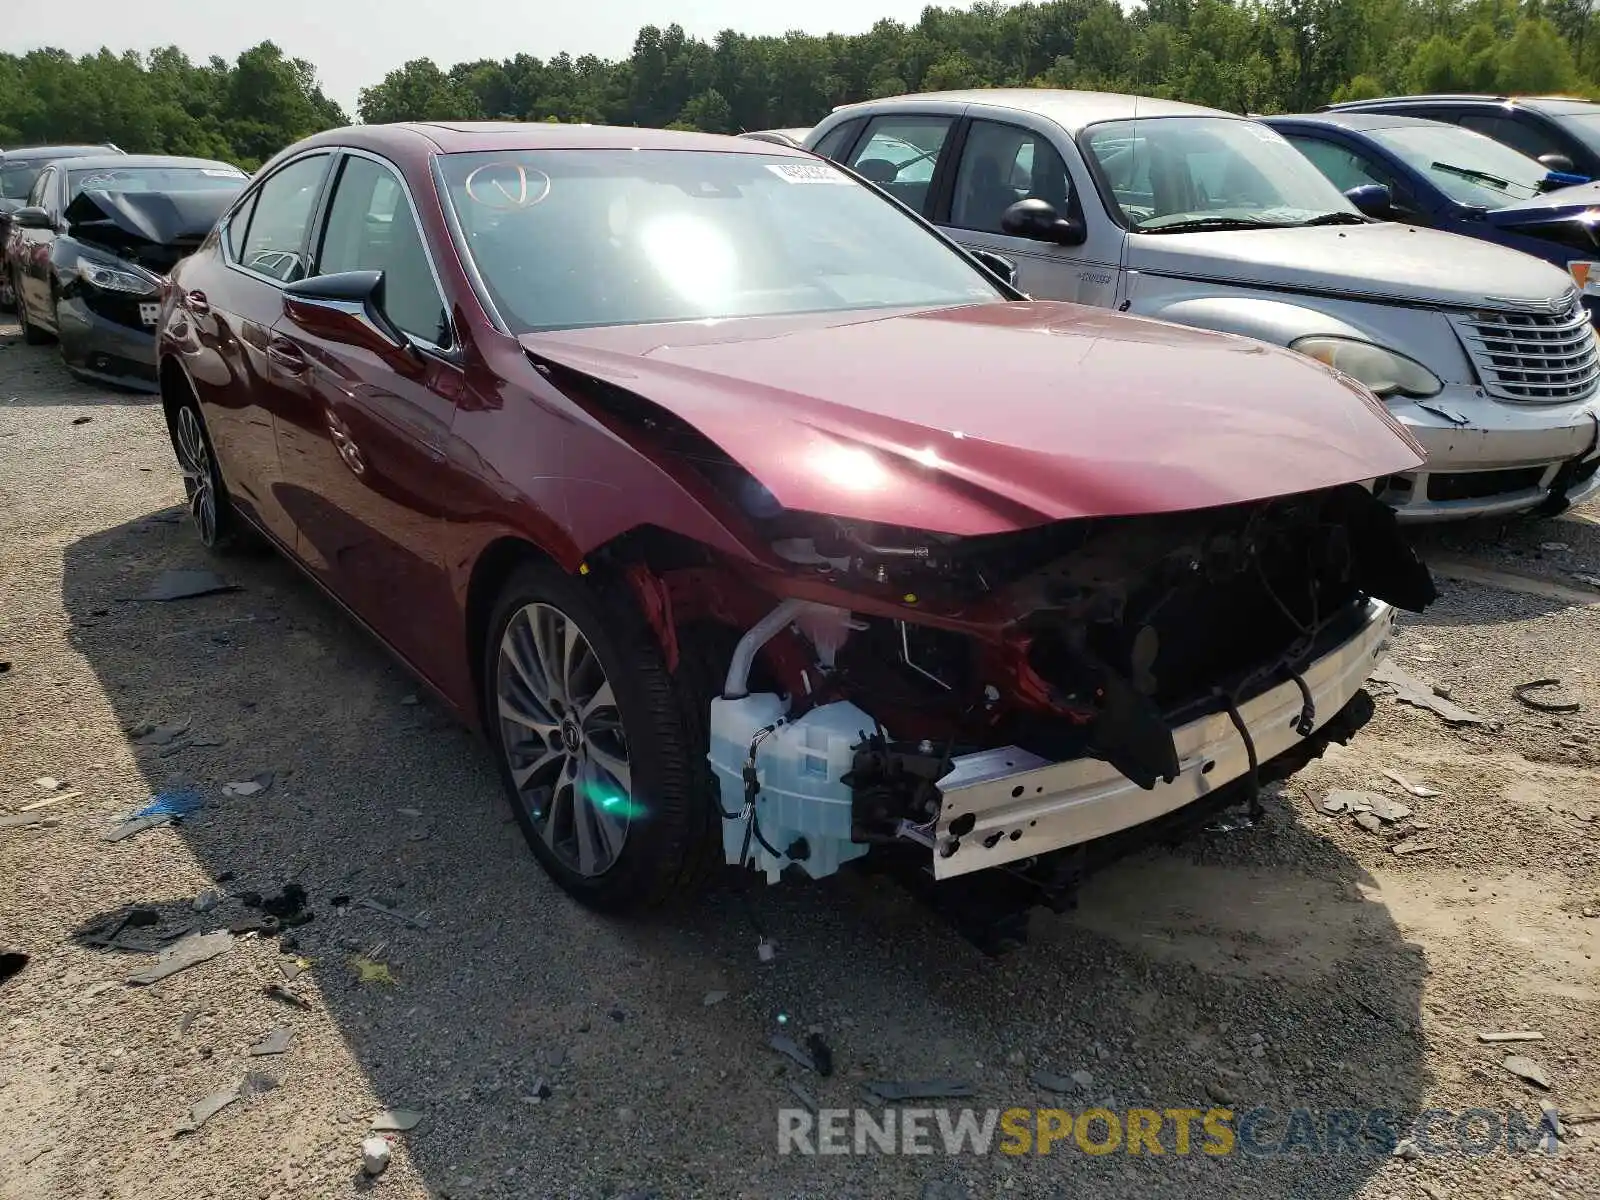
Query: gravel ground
x=1297 y=963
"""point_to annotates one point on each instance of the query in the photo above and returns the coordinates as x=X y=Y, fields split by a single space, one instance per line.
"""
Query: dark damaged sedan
x=88 y=255
x=754 y=521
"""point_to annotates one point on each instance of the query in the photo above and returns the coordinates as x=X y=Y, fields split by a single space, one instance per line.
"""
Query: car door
x=31 y=250
x=1348 y=165
x=364 y=448
x=1000 y=163
x=901 y=153
x=232 y=298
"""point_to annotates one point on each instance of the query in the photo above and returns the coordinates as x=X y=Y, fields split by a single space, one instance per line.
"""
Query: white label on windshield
x=219 y=174
x=803 y=172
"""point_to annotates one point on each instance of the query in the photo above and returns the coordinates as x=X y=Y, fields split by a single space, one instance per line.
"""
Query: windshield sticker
x=802 y=172
x=97 y=181
x=507 y=185
x=217 y=173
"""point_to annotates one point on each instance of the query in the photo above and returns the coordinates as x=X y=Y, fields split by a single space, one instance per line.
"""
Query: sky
x=354 y=43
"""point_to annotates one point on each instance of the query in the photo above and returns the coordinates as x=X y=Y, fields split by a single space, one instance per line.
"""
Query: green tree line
x=1242 y=55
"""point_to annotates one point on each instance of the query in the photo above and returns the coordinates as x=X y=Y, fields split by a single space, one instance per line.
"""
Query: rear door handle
x=286 y=355
x=197 y=303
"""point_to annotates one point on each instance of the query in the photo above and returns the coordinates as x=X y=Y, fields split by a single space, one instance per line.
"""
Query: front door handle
x=197 y=303
x=285 y=355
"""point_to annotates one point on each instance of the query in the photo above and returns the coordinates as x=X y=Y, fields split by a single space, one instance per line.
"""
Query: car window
x=900 y=153
x=567 y=238
x=41 y=188
x=371 y=228
x=1344 y=168
x=1001 y=164
x=275 y=242
x=17 y=180
x=837 y=138
x=157 y=179
x=1468 y=167
x=239 y=224
x=1176 y=173
x=1519 y=135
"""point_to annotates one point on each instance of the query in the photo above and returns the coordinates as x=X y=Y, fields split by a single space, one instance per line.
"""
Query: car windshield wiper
x=1469 y=173
x=1336 y=218
x=1192 y=223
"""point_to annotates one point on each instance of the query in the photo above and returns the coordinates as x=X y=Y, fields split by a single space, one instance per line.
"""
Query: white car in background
x=1193 y=215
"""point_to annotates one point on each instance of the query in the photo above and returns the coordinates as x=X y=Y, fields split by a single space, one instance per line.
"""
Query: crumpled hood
x=1384 y=260
x=155 y=218
x=1563 y=204
x=993 y=417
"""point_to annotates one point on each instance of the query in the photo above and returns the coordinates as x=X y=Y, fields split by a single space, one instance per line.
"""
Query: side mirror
x=1039 y=220
x=1372 y=199
x=1559 y=163
x=346 y=307
x=998 y=264
x=32 y=217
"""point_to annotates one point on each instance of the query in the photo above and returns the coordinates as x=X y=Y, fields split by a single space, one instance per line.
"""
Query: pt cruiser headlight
x=113 y=279
x=1384 y=371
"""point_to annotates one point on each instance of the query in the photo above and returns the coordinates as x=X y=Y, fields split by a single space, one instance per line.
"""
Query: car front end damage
x=1016 y=704
x=984 y=642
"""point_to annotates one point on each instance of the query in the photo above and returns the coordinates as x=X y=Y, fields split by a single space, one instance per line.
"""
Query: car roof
x=91 y=162
x=460 y=137
x=49 y=153
x=1072 y=110
x=1550 y=104
x=1359 y=122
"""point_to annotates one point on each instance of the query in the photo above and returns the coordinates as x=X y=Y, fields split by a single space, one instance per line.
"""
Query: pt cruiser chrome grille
x=1536 y=358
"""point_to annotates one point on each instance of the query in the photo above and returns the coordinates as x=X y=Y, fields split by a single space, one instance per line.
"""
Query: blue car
x=1403 y=168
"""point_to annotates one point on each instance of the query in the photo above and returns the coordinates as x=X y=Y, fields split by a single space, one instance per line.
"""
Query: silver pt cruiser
x=1201 y=217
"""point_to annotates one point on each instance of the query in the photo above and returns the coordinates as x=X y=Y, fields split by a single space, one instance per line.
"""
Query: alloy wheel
x=563 y=739
x=194 y=460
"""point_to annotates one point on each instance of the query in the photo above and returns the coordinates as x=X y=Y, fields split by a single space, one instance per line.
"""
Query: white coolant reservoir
x=803 y=807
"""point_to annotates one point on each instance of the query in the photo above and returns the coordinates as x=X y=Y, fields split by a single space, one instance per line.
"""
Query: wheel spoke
x=512 y=650
x=613 y=766
x=537 y=722
x=601 y=699
x=561 y=804
x=546 y=627
x=521 y=775
x=583 y=820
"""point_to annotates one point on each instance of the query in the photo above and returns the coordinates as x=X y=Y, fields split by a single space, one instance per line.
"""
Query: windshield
x=1173 y=173
x=569 y=238
x=1583 y=124
x=16 y=182
x=157 y=179
x=1466 y=166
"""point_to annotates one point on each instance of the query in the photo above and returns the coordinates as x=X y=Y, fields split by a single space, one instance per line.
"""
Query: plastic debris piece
x=1415 y=789
x=1555 y=547
x=57 y=798
x=207 y=900
x=409 y=701
x=800 y=1094
x=292 y=970
x=714 y=998
x=1526 y=1068
x=1412 y=846
x=1523 y=693
x=766 y=950
x=1389 y=811
x=894 y=1091
x=174 y=804
x=1411 y=690
x=185 y=585
x=1369 y=822
x=276 y=1042
x=190 y=951
x=257 y=1083
x=415 y=922
x=276 y=991
x=375 y=1153
x=148 y=734
x=26 y=820
x=1514 y=1035
x=261 y=923
x=50 y=784
x=404 y=1120
x=135 y=825
x=369 y=970
x=1551 y=1119
x=1051 y=1082
x=789 y=1048
x=236 y=791
x=203 y=1110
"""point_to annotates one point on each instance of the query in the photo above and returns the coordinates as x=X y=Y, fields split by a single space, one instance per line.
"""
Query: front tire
x=595 y=756
x=205 y=496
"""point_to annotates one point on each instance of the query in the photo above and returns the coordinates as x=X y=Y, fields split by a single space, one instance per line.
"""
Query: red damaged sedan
x=754 y=521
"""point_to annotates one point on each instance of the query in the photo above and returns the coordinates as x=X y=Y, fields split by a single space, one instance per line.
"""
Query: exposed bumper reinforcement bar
x=1021 y=805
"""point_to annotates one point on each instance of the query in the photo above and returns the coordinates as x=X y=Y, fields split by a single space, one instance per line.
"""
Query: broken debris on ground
x=187 y=584
x=191 y=951
x=1411 y=690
